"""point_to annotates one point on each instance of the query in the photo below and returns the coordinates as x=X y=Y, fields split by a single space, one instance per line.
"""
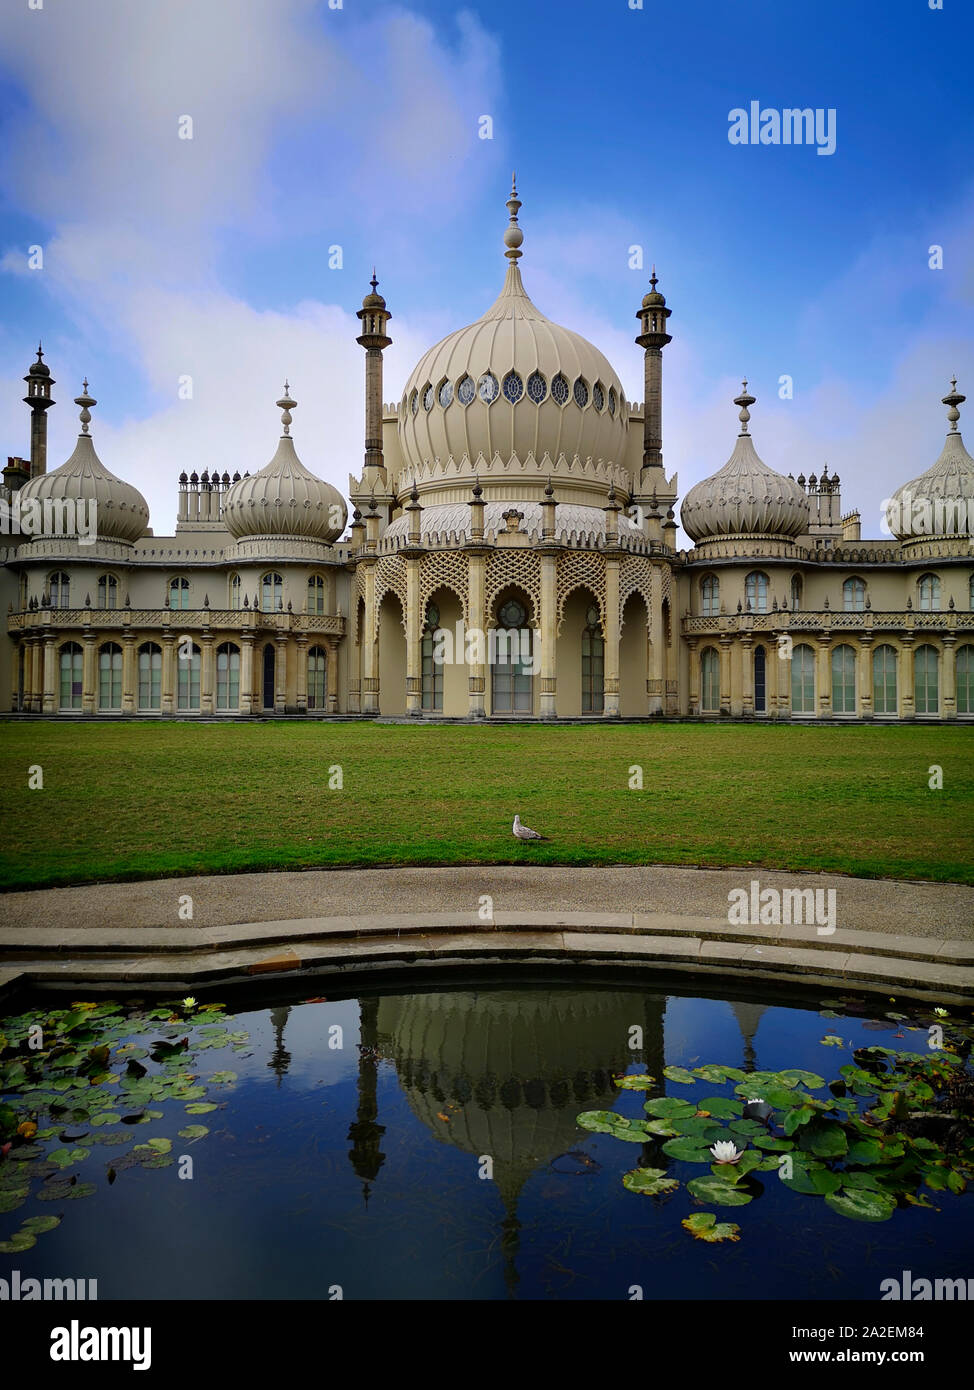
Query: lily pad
x=679 y=1074
x=687 y=1151
x=21 y=1240
x=703 y=1225
x=717 y=1074
x=811 y=1079
x=826 y=1139
x=860 y=1204
x=223 y=1078
x=40 y=1224
x=636 y=1083
x=649 y=1181
x=65 y=1191
x=716 y=1191
x=722 y=1107
x=193 y=1132
x=669 y=1107
x=201 y=1108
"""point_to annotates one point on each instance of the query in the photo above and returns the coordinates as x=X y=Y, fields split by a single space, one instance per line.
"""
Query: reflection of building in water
x=280 y=1057
x=366 y=1133
x=510 y=1070
x=748 y=1018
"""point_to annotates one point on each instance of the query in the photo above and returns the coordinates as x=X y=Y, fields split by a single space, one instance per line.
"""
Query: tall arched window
x=511 y=658
x=188 y=677
x=926 y=683
x=150 y=676
x=965 y=679
x=107 y=591
x=235 y=591
x=928 y=593
x=72 y=675
x=756 y=592
x=432 y=670
x=316 y=594
x=179 y=593
x=271 y=593
x=710 y=596
x=802 y=680
x=844 y=680
x=884 y=680
x=709 y=680
x=227 y=676
x=317 y=678
x=593 y=664
x=760 y=681
x=796 y=593
x=854 y=595
x=59 y=588
x=110 y=676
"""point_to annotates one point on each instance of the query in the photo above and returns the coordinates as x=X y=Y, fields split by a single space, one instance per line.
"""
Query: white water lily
x=755 y=1100
x=941 y=1013
x=725 y=1151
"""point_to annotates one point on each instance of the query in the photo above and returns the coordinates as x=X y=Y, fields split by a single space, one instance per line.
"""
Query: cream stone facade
x=512 y=554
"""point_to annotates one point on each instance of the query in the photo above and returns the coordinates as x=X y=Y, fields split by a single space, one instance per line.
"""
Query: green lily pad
x=200 y=1108
x=65 y=1191
x=669 y=1107
x=768 y=1141
x=21 y=1240
x=860 y=1204
x=636 y=1083
x=687 y=1151
x=722 y=1107
x=649 y=1181
x=65 y=1157
x=40 y=1224
x=662 y=1129
x=703 y=1225
x=162 y=1146
x=105 y=1117
x=717 y=1074
x=864 y=1151
x=223 y=1078
x=716 y=1191
x=196 y=1132
x=826 y=1139
x=603 y=1122
x=12 y=1197
x=811 y=1079
x=679 y=1074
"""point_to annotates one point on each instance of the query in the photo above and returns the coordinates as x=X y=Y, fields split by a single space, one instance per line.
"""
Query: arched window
x=593 y=664
x=317 y=678
x=844 y=680
x=854 y=595
x=756 y=592
x=150 y=676
x=107 y=591
x=511 y=660
x=760 y=681
x=227 y=676
x=72 y=675
x=965 y=679
x=928 y=592
x=796 y=593
x=235 y=591
x=59 y=587
x=271 y=593
x=187 y=677
x=110 y=676
x=709 y=680
x=884 y=680
x=926 y=684
x=179 y=593
x=802 y=680
x=432 y=669
x=316 y=594
x=710 y=596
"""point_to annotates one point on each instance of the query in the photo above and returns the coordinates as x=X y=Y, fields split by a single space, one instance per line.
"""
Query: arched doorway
x=634 y=657
x=268 y=681
x=392 y=657
x=511 y=654
x=760 y=681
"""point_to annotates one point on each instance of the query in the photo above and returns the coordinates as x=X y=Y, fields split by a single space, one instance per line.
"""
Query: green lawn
x=139 y=800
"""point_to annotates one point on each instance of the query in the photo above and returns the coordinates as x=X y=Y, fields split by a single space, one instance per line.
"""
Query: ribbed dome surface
x=121 y=510
x=745 y=498
x=913 y=509
x=514 y=382
x=284 y=499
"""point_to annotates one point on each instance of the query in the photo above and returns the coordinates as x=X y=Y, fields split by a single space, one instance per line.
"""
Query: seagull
x=522 y=832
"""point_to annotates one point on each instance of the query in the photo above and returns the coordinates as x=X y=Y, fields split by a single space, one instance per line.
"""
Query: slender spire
x=744 y=400
x=287 y=404
x=653 y=280
x=86 y=402
x=513 y=236
x=953 y=400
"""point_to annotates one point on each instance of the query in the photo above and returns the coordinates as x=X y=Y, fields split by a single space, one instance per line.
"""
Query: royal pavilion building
x=511 y=554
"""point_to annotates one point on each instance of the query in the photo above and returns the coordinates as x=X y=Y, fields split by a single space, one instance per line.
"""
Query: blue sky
x=358 y=127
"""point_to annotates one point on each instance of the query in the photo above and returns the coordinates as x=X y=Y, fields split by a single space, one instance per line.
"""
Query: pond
x=426 y=1144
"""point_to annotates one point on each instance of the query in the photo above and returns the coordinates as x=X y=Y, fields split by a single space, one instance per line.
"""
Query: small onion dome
x=941 y=501
x=653 y=299
x=284 y=499
x=374 y=300
x=121 y=511
x=745 y=497
x=40 y=367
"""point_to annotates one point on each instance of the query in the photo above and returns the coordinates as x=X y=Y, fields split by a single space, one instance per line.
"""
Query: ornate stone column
x=747 y=675
x=948 y=699
x=207 y=675
x=771 y=673
x=246 y=674
x=89 y=675
x=168 y=692
x=782 y=660
x=694 y=697
x=656 y=656
x=823 y=675
x=725 y=672
x=280 y=673
x=865 y=674
x=50 y=704
x=613 y=623
x=548 y=635
x=415 y=622
x=907 y=702
x=128 y=673
x=331 y=674
x=301 y=675
x=477 y=672
x=370 y=653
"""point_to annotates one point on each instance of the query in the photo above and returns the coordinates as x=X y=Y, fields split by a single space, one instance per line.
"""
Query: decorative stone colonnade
x=546 y=573
x=736 y=638
x=42 y=633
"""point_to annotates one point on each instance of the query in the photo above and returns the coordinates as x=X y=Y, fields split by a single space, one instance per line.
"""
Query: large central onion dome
x=121 y=511
x=745 y=498
x=941 y=501
x=284 y=499
x=514 y=382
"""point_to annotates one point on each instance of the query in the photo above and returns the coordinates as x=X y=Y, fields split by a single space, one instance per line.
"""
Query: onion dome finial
x=953 y=399
x=513 y=236
x=86 y=402
x=744 y=400
x=287 y=404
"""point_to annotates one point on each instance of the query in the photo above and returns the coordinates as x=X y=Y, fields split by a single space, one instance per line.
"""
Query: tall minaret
x=375 y=317
x=653 y=338
x=39 y=382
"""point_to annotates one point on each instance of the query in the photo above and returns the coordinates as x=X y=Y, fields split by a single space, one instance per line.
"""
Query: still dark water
x=359 y=1165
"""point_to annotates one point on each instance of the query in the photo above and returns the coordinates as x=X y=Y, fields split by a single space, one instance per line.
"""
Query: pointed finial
x=40 y=351
x=85 y=401
x=513 y=236
x=287 y=405
x=653 y=278
x=374 y=282
x=477 y=489
x=953 y=399
x=744 y=400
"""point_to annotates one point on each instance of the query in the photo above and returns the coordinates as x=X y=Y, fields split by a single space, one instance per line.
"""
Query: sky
x=360 y=125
